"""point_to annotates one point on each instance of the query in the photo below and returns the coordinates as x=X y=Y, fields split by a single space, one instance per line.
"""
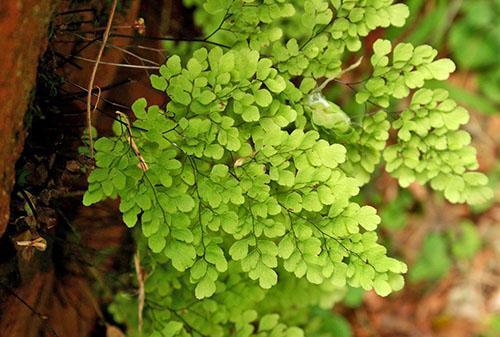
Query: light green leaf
x=268 y=322
x=276 y=84
x=263 y=97
x=441 y=69
x=239 y=250
x=398 y=14
x=286 y=246
x=251 y=114
x=171 y=329
x=185 y=203
x=382 y=287
x=181 y=254
x=368 y=218
x=158 y=82
x=402 y=52
x=382 y=47
x=206 y=97
x=156 y=242
x=205 y=288
x=139 y=108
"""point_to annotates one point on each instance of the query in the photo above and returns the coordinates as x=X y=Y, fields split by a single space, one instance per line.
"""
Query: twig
x=226 y=16
x=73 y=95
x=142 y=162
x=351 y=67
x=42 y=317
x=111 y=86
x=92 y=77
x=78 y=51
x=92 y=10
x=124 y=65
x=159 y=50
x=67 y=60
x=142 y=295
x=98 y=29
x=109 y=45
x=168 y=38
x=104 y=112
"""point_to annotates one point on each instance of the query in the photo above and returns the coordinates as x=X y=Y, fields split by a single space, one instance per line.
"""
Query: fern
x=241 y=188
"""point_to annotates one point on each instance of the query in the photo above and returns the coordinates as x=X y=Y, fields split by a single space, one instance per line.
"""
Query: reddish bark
x=23 y=37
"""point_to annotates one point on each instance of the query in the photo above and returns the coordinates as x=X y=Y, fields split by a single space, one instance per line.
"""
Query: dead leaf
x=113 y=331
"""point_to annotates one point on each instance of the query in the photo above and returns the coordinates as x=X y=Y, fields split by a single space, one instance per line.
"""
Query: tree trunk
x=23 y=37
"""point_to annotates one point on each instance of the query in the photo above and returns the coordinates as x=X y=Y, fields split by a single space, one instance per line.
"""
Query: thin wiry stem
x=36 y=313
x=167 y=38
x=351 y=67
x=124 y=65
x=226 y=16
x=92 y=77
x=142 y=293
x=109 y=45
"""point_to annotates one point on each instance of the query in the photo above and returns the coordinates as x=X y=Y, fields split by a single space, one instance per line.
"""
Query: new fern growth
x=241 y=188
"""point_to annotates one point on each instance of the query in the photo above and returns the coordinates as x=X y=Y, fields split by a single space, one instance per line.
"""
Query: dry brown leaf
x=113 y=331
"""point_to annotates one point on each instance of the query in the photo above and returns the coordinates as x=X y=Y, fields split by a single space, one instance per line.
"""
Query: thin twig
x=226 y=16
x=67 y=60
x=142 y=295
x=42 y=317
x=92 y=10
x=168 y=38
x=160 y=50
x=109 y=45
x=124 y=65
x=142 y=162
x=97 y=100
x=111 y=86
x=104 y=112
x=98 y=29
x=92 y=77
x=78 y=51
x=351 y=67
x=73 y=95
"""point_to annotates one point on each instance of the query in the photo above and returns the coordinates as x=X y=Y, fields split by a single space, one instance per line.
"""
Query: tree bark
x=23 y=37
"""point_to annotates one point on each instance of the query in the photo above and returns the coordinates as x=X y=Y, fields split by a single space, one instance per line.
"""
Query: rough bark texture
x=23 y=37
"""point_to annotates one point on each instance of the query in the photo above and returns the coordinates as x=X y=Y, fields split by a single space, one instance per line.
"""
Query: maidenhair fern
x=241 y=187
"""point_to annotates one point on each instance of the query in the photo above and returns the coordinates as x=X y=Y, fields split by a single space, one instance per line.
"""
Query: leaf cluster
x=241 y=188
